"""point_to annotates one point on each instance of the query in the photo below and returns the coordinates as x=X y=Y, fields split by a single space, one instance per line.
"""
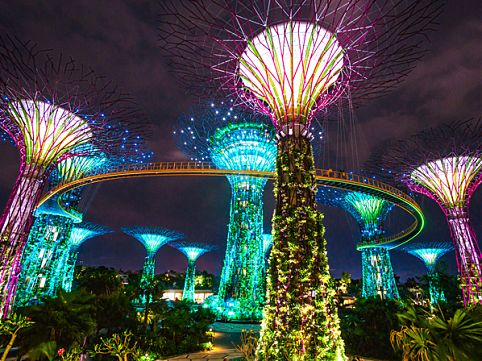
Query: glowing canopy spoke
x=289 y=66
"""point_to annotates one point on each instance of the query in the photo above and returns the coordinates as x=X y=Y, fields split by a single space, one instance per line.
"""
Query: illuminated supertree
x=152 y=239
x=369 y=212
x=79 y=234
x=49 y=105
x=192 y=251
x=45 y=261
x=236 y=140
x=445 y=164
x=52 y=225
x=290 y=60
x=429 y=253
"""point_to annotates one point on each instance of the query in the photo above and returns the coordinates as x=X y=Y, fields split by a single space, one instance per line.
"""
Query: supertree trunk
x=435 y=290
x=14 y=226
x=378 y=277
x=301 y=320
x=40 y=257
x=467 y=254
x=241 y=277
x=188 y=292
x=147 y=275
x=67 y=265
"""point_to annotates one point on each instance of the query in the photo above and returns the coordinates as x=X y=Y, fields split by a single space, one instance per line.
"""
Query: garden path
x=226 y=336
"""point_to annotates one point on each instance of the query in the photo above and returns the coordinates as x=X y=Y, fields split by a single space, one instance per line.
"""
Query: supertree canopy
x=49 y=105
x=291 y=59
x=370 y=213
x=429 y=253
x=192 y=251
x=79 y=234
x=445 y=164
x=152 y=238
x=236 y=140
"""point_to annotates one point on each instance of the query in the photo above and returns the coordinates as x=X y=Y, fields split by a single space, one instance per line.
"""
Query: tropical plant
x=249 y=343
x=43 y=351
x=119 y=345
x=98 y=280
x=11 y=327
x=366 y=326
x=434 y=336
x=66 y=319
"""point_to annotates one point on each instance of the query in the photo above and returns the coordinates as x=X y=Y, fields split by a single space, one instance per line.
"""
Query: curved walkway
x=324 y=177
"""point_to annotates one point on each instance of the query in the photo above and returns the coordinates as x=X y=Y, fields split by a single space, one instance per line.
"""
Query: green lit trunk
x=378 y=278
x=188 y=292
x=301 y=321
x=241 y=277
x=435 y=290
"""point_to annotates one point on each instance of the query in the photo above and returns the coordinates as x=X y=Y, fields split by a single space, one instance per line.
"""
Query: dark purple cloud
x=118 y=39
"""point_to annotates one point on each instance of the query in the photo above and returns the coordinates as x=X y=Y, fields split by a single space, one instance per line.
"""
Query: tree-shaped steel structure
x=445 y=164
x=48 y=252
x=192 y=251
x=152 y=238
x=49 y=105
x=236 y=140
x=429 y=253
x=370 y=213
x=289 y=60
x=64 y=272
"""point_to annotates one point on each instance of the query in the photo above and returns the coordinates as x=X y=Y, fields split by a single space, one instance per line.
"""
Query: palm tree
x=66 y=319
x=427 y=337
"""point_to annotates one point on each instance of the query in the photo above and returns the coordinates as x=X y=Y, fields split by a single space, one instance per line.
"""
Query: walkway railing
x=325 y=177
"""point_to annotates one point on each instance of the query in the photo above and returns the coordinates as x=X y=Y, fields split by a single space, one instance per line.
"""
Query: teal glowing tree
x=45 y=264
x=267 y=244
x=80 y=233
x=430 y=253
x=51 y=226
x=192 y=251
x=49 y=105
x=236 y=140
x=370 y=212
x=152 y=238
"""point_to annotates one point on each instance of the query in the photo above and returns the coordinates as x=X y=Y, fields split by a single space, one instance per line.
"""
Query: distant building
x=176 y=294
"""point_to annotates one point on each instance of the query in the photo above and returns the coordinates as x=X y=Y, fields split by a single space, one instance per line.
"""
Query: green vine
x=301 y=320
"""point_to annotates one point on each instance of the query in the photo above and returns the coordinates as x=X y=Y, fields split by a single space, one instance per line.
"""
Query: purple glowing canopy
x=290 y=59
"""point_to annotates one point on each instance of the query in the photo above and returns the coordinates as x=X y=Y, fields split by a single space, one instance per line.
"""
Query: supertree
x=236 y=140
x=192 y=251
x=290 y=60
x=370 y=213
x=267 y=244
x=152 y=238
x=49 y=105
x=429 y=253
x=444 y=164
x=47 y=263
x=79 y=234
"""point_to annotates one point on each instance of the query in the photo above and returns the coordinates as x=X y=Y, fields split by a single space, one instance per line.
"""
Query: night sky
x=118 y=39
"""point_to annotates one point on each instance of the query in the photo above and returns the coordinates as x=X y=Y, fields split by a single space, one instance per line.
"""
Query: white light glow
x=448 y=178
x=48 y=130
x=289 y=66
